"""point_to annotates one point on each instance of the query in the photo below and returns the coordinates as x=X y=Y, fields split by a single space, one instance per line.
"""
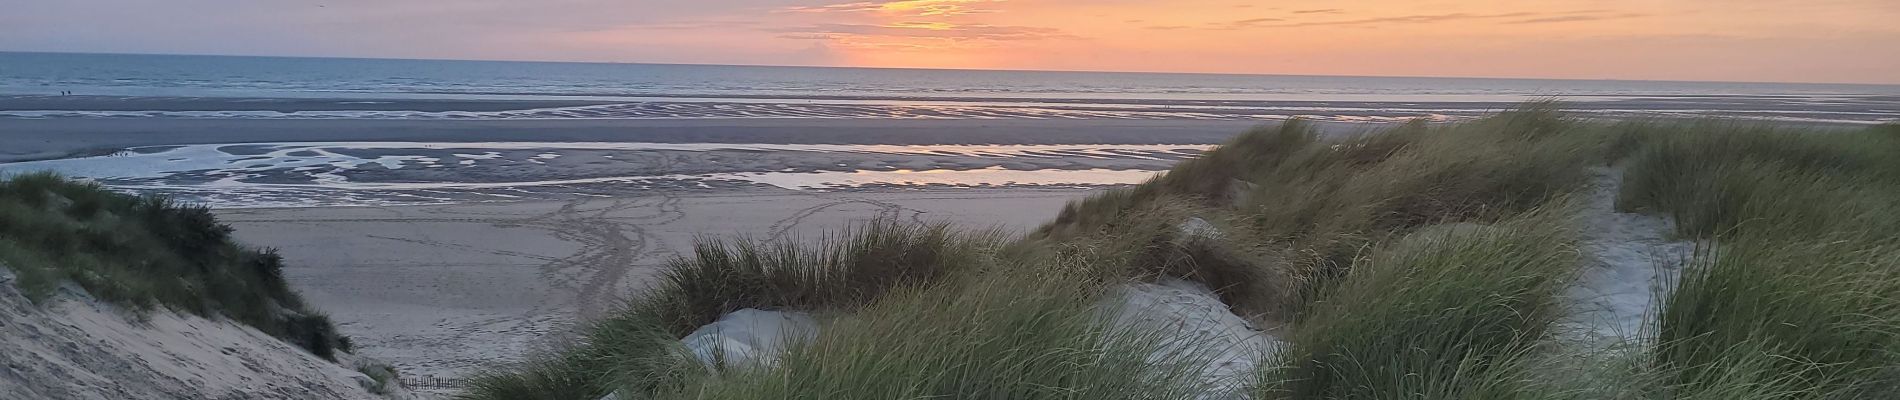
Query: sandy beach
x=448 y=247
x=529 y=226
x=949 y=199
x=441 y=291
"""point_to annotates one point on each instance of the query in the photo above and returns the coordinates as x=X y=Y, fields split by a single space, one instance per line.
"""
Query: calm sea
x=133 y=87
x=280 y=77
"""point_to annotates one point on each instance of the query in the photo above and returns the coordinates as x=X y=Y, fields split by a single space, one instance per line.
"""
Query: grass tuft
x=1810 y=317
x=1716 y=178
x=1448 y=312
x=638 y=348
x=1796 y=293
x=1010 y=335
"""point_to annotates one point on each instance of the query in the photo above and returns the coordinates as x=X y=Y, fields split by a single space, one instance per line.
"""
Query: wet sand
x=30 y=139
x=442 y=291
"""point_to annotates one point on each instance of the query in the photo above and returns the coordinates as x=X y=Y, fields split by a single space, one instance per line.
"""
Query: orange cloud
x=938 y=30
x=917 y=8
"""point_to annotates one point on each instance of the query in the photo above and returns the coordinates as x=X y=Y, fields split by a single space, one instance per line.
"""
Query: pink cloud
x=919 y=8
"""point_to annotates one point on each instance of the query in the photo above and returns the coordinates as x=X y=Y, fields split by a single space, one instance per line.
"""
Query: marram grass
x=1423 y=261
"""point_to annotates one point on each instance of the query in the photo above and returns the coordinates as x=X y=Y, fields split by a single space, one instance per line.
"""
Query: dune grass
x=1717 y=177
x=1448 y=312
x=1014 y=334
x=1308 y=207
x=146 y=252
x=841 y=272
x=1797 y=292
x=1422 y=261
x=1147 y=239
x=845 y=270
x=1811 y=318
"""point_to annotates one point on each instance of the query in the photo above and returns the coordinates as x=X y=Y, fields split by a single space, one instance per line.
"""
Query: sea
x=73 y=87
x=702 y=91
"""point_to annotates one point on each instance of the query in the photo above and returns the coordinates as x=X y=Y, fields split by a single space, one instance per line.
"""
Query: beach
x=949 y=199
x=462 y=220
x=448 y=247
x=443 y=291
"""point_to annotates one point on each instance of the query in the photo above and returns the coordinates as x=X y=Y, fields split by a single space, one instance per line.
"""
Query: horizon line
x=1896 y=84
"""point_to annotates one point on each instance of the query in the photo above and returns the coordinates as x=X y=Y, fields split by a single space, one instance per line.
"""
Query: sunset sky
x=1739 y=40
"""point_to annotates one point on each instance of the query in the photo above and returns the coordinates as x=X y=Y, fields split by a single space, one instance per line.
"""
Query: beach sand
x=442 y=291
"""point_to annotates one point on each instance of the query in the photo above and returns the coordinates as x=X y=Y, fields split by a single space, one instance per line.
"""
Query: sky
x=1844 y=41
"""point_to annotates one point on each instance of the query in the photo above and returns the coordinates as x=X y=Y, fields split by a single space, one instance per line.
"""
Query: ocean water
x=391 y=173
x=705 y=91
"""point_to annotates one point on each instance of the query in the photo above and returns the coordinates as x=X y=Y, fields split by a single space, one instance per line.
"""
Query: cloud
x=1409 y=19
x=941 y=30
x=1578 y=18
x=689 y=25
x=916 y=8
x=1242 y=24
x=1168 y=27
x=1521 y=18
x=1319 y=11
x=808 y=36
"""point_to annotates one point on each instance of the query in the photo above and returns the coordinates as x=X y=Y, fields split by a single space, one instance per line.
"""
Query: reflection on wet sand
x=388 y=173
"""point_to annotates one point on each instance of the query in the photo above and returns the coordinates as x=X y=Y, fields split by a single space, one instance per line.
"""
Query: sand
x=77 y=347
x=750 y=337
x=1631 y=263
x=1195 y=324
x=442 y=291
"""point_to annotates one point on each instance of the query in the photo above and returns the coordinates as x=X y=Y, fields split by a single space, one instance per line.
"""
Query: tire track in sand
x=885 y=211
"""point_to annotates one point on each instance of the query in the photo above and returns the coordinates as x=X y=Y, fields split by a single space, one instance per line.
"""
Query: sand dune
x=76 y=347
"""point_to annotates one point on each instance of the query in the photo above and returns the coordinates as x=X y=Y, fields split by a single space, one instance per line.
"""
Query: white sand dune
x=1197 y=325
x=750 y=337
x=1631 y=264
x=1190 y=319
x=76 y=347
